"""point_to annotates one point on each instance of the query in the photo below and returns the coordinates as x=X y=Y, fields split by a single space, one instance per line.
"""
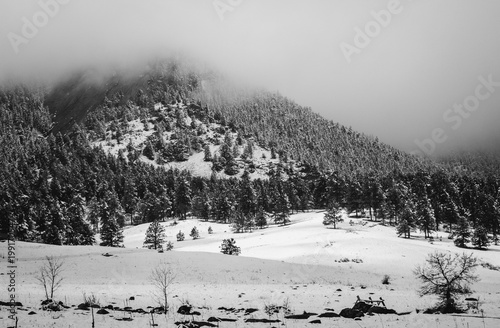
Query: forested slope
x=61 y=184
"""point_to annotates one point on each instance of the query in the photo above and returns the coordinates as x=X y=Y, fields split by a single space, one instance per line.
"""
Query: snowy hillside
x=176 y=129
x=304 y=266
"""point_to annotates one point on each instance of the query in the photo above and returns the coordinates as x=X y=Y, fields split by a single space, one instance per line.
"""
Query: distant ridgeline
x=96 y=153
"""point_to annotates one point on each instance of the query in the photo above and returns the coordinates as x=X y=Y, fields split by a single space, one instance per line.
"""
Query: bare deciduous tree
x=50 y=275
x=162 y=277
x=448 y=276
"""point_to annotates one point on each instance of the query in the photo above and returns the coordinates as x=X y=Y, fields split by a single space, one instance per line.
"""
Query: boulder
x=194 y=324
x=48 y=301
x=380 y=310
x=83 y=306
x=351 y=313
x=262 y=320
x=328 y=315
x=214 y=319
x=52 y=307
x=362 y=306
x=250 y=311
x=184 y=310
x=303 y=316
x=317 y=321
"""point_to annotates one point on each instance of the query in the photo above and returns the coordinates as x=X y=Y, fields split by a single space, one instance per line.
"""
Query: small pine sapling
x=194 y=233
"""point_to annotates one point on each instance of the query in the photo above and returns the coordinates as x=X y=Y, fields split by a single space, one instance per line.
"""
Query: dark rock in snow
x=328 y=315
x=262 y=320
x=18 y=304
x=351 y=313
x=184 y=309
x=250 y=311
x=194 y=324
x=380 y=310
x=298 y=316
x=362 y=306
x=317 y=321
x=83 y=306
x=214 y=319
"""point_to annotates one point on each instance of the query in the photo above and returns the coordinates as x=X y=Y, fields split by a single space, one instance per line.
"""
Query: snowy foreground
x=297 y=265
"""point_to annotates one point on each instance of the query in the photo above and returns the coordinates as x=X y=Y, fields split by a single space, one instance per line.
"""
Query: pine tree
x=229 y=247
x=206 y=207
x=480 y=238
x=231 y=168
x=333 y=215
x=248 y=151
x=208 y=154
x=247 y=197
x=183 y=198
x=110 y=212
x=194 y=233
x=261 y=220
x=148 y=151
x=408 y=220
x=243 y=223
x=462 y=233
x=155 y=235
x=226 y=150
x=80 y=232
x=426 y=219
x=180 y=236
x=217 y=166
x=111 y=233
x=236 y=151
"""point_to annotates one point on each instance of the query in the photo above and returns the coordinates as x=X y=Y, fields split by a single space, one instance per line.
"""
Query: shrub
x=169 y=246
x=180 y=236
x=386 y=280
x=229 y=247
x=194 y=233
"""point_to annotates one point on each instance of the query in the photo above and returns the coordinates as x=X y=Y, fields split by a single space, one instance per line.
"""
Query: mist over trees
x=56 y=187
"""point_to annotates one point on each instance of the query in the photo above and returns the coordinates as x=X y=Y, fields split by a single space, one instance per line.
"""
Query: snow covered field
x=298 y=265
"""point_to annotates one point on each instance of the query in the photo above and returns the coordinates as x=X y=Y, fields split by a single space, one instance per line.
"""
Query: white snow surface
x=297 y=264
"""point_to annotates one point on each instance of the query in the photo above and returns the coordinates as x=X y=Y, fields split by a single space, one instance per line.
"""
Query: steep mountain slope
x=272 y=121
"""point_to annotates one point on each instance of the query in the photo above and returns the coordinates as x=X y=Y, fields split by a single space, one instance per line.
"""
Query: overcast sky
x=397 y=86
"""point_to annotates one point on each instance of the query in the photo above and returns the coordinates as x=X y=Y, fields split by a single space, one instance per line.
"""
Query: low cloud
x=396 y=89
